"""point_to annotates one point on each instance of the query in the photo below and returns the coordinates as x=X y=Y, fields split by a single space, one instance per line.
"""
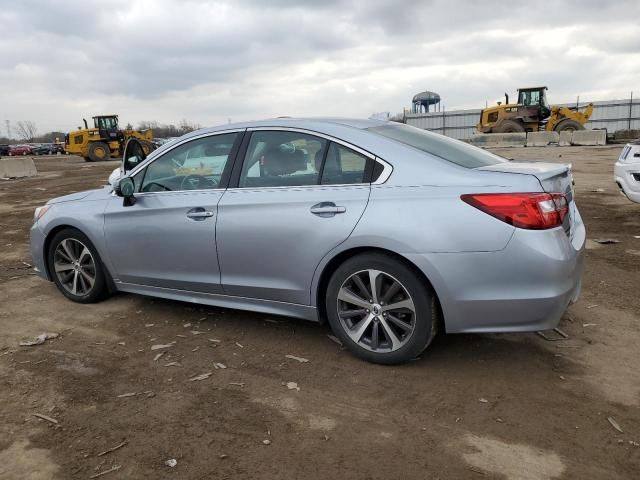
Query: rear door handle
x=199 y=214
x=327 y=209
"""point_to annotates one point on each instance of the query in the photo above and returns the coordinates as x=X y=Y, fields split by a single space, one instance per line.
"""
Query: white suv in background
x=626 y=172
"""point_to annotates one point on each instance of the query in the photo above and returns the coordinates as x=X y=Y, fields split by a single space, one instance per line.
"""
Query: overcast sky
x=209 y=61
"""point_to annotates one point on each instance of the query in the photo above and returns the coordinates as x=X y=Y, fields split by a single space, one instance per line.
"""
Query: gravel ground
x=474 y=406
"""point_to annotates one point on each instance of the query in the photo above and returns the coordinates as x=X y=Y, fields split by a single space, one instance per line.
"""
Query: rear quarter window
x=449 y=149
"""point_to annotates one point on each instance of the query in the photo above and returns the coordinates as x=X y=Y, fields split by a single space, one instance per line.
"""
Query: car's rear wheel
x=76 y=267
x=380 y=309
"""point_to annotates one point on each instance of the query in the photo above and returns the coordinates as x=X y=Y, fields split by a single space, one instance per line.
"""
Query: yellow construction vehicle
x=532 y=113
x=105 y=140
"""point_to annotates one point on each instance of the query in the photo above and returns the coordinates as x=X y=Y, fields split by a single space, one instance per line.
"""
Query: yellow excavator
x=105 y=140
x=532 y=113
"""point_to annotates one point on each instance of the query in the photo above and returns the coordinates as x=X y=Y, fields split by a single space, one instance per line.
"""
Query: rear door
x=296 y=196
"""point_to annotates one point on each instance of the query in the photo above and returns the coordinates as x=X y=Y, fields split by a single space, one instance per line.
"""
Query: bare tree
x=26 y=130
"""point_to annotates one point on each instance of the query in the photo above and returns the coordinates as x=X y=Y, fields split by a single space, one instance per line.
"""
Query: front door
x=166 y=237
x=297 y=197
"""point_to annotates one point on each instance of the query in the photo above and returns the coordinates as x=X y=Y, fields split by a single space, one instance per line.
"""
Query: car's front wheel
x=380 y=309
x=76 y=267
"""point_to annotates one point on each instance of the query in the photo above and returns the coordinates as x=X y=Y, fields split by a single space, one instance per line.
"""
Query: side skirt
x=305 y=312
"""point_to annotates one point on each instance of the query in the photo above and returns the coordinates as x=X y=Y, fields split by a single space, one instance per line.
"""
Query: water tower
x=423 y=100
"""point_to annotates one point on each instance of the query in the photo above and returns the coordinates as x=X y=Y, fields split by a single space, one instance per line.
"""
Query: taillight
x=534 y=211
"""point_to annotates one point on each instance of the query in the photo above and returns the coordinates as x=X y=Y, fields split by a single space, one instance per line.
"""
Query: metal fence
x=612 y=115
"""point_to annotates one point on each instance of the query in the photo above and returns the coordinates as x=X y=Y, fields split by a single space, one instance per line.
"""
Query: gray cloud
x=209 y=61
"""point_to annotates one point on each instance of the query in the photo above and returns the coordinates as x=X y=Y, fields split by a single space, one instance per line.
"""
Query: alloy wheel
x=376 y=311
x=74 y=266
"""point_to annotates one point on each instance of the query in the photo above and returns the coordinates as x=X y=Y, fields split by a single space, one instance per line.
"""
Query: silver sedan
x=389 y=232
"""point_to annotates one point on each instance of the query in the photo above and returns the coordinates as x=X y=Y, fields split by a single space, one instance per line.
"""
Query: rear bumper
x=37 y=251
x=627 y=176
x=525 y=287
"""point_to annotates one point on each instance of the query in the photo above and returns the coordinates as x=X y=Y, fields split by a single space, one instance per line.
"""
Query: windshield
x=448 y=149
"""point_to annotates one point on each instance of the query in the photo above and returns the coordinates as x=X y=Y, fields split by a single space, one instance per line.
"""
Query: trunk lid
x=553 y=177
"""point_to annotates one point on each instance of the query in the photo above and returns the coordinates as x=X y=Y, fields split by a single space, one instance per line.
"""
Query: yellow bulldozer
x=105 y=140
x=532 y=113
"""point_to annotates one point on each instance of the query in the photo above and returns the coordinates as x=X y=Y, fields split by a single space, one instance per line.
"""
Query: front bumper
x=525 y=287
x=37 y=251
x=627 y=176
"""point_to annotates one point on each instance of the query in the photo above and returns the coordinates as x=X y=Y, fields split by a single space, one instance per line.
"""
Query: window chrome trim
x=384 y=176
x=145 y=164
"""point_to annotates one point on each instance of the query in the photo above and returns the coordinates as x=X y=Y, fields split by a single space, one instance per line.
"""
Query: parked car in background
x=4 y=149
x=389 y=232
x=20 y=150
x=48 y=149
x=42 y=149
x=626 y=171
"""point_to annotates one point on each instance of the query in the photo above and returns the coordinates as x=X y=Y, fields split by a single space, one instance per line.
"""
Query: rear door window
x=282 y=159
x=343 y=166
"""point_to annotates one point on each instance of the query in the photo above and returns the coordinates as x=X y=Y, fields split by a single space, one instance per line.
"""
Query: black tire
x=98 y=290
x=568 y=124
x=99 y=152
x=147 y=146
x=509 y=126
x=425 y=318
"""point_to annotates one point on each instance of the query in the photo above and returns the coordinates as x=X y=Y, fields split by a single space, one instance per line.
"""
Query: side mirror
x=636 y=155
x=125 y=188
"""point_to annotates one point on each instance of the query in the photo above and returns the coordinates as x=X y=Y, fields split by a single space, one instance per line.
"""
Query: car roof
x=299 y=122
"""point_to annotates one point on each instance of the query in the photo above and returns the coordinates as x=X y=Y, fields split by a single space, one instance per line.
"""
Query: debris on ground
x=214 y=340
x=113 y=449
x=584 y=325
x=293 y=386
x=217 y=365
x=112 y=469
x=157 y=357
x=606 y=241
x=149 y=324
x=266 y=442
x=158 y=347
x=172 y=462
x=483 y=400
x=127 y=395
x=334 y=339
x=173 y=364
x=597 y=190
x=592 y=306
x=239 y=345
x=202 y=376
x=186 y=325
x=45 y=417
x=615 y=424
x=195 y=332
x=561 y=335
x=39 y=340
x=633 y=252
x=298 y=359
x=237 y=384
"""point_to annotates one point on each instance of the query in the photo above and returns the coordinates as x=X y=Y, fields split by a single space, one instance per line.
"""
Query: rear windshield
x=449 y=149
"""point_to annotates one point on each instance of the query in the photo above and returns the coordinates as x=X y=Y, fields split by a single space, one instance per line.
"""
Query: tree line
x=26 y=131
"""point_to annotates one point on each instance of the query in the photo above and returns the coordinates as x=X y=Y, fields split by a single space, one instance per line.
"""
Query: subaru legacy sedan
x=389 y=232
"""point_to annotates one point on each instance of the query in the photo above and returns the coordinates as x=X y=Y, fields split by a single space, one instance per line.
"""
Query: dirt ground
x=474 y=406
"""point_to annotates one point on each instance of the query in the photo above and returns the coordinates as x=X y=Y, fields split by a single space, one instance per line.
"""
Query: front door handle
x=199 y=214
x=327 y=209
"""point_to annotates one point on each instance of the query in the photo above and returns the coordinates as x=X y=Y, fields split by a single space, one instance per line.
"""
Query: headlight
x=40 y=211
